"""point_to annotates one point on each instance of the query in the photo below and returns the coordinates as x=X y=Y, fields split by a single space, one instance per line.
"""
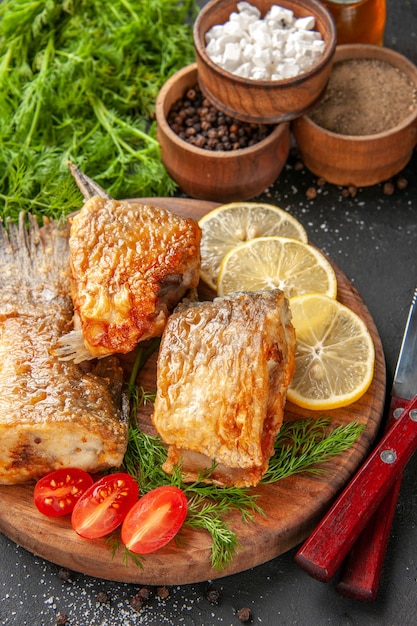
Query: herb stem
x=41 y=80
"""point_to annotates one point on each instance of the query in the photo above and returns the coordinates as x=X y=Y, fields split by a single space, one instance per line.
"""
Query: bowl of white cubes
x=264 y=62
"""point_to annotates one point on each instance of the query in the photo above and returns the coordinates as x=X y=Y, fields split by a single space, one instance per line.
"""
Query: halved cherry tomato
x=103 y=507
x=154 y=520
x=56 y=493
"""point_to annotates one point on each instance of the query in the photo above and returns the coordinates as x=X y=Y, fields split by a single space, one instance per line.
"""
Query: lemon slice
x=232 y=224
x=334 y=354
x=276 y=262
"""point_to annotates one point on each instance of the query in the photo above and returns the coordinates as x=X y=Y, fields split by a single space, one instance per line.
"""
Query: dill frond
x=302 y=445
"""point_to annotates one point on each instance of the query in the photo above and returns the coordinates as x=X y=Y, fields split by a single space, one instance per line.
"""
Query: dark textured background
x=373 y=239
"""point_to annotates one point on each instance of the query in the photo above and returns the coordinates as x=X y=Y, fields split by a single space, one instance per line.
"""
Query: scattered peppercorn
x=136 y=603
x=64 y=574
x=350 y=191
x=195 y=120
x=389 y=189
x=162 y=592
x=311 y=193
x=144 y=593
x=402 y=183
x=244 y=614
x=321 y=182
x=103 y=597
x=61 y=619
x=213 y=596
x=298 y=166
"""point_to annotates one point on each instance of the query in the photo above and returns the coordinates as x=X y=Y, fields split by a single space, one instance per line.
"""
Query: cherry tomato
x=56 y=493
x=154 y=520
x=103 y=507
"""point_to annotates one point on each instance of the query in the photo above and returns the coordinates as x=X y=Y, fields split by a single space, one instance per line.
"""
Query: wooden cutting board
x=292 y=506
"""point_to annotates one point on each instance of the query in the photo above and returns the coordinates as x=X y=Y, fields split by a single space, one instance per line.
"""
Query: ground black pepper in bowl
x=195 y=120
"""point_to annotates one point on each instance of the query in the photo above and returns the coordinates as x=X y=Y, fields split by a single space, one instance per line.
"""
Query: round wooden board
x=292 y=506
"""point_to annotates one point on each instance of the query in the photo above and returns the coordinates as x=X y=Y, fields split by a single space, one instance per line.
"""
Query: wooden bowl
x=264 y=101
x=366 y=159
x=219 y=176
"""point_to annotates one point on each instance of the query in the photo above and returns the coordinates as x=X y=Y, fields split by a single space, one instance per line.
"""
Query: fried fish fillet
x=131 y=263
x=222 y=375
x=52 y=414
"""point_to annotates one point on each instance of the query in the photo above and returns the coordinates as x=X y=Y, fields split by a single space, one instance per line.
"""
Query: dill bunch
x=78 y=82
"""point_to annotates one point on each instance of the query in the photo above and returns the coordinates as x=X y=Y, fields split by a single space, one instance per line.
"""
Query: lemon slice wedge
x=230 y=225
x=277 y=262
x=334 y=354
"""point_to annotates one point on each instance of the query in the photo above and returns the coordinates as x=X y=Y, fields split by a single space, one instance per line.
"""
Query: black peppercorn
x=195 y=120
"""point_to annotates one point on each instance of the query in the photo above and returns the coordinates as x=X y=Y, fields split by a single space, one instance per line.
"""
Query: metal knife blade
x=405 y=377
x=328 y=545
x=363 y=566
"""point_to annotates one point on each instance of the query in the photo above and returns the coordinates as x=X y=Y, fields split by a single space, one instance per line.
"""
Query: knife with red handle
x=326 y=548
x=363 y=566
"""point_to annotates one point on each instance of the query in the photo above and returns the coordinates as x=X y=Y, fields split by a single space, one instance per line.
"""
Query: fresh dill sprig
x=302 y=445
x=113 y=543
x=209 y=516
x=143 y=459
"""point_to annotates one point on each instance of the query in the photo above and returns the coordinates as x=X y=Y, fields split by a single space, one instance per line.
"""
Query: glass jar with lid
x=358 y=21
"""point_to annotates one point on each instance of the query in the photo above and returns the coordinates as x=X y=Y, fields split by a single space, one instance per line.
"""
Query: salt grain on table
x=277 y=47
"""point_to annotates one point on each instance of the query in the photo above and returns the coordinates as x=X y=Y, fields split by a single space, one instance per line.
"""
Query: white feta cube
x=279 y=39
x=232 y=28
x=262 y=38
x=305 y=23
x=290 y=69
x=248 y=8
x=319 y=46
x=248 y=51
x=262 y=57
x=290 y=49
x=244 y=70
x=214 y=32
x=259 y=73
x=280 y=14
x=231 y=57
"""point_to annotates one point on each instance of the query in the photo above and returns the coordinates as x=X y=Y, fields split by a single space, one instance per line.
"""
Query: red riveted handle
x=364 y=563
x=328 y=545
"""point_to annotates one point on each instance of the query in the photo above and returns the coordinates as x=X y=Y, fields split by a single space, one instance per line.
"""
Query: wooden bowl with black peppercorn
x=364 y=130
x=264 y=100
x=211 y=156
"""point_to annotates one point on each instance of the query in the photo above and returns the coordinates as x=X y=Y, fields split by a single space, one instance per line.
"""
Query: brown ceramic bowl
x=366 y=159
x=219 y=176
x=263 y=101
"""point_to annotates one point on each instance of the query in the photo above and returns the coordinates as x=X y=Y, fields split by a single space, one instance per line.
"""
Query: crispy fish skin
x=222 y=375
x=130 y=265
x=52 y=414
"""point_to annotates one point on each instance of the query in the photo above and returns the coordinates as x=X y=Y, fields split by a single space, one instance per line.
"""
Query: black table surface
x=372 y=237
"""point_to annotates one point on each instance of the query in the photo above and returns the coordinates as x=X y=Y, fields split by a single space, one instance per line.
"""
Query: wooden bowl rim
x=369 y=50
x=274 y=136
x=316 y=9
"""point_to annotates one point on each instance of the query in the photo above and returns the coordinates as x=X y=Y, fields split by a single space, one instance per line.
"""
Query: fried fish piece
x=222 y=375
x=53 y=414
x=131 y=263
